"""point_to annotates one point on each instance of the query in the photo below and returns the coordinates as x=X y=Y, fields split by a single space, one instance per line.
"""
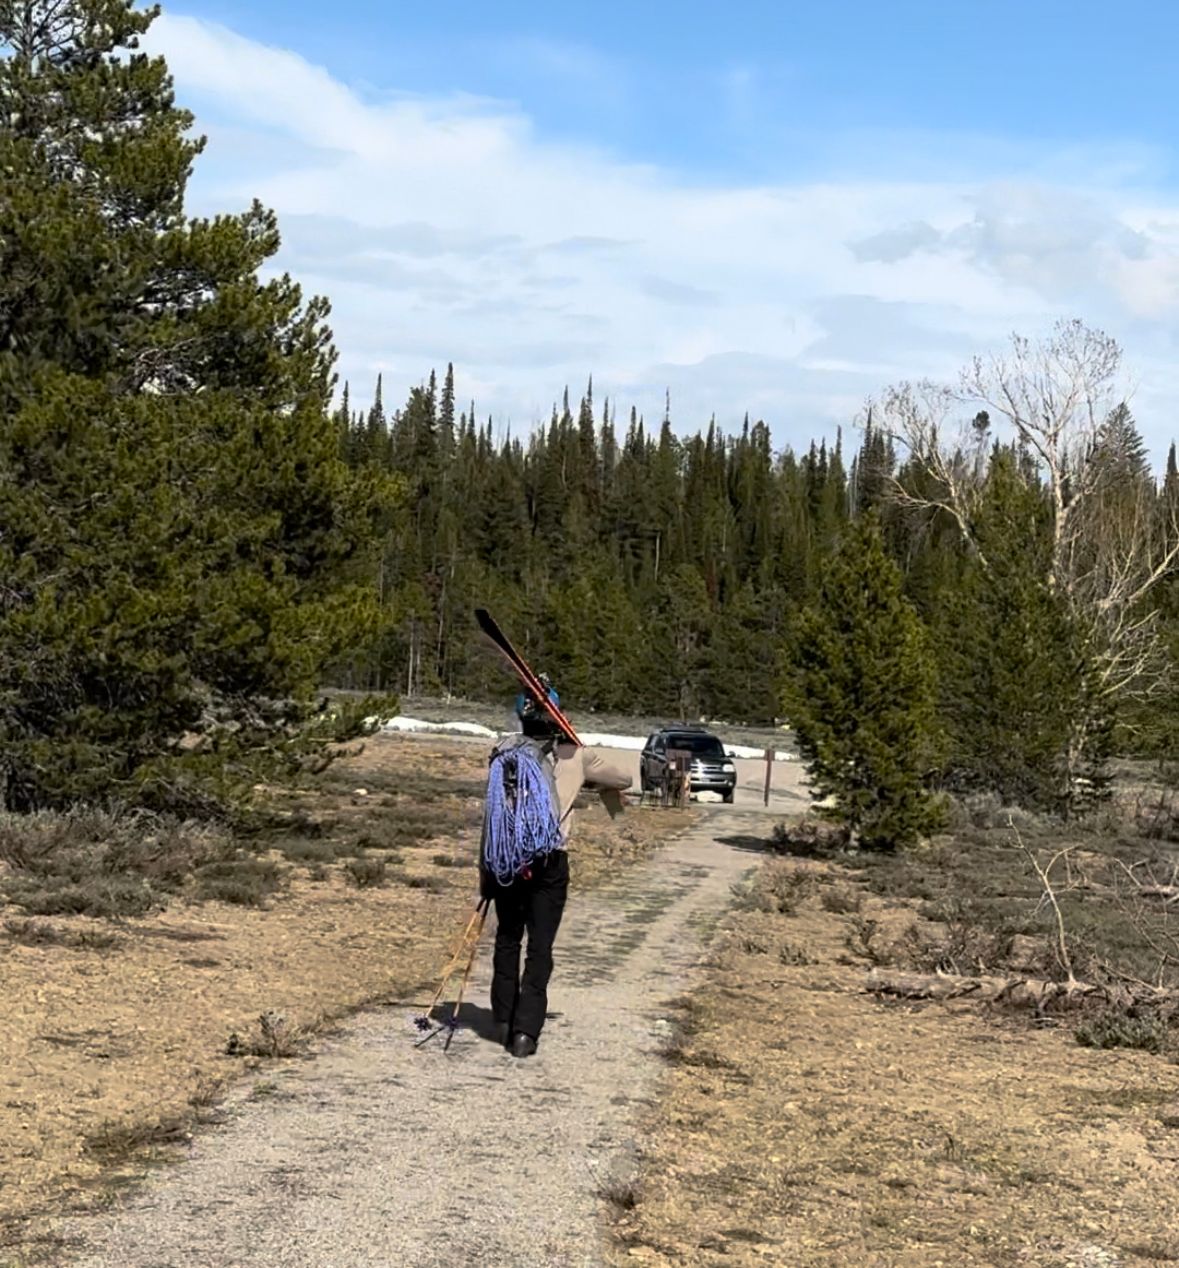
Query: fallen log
x=1018 y=992
x=925 y=985
x=987 y=988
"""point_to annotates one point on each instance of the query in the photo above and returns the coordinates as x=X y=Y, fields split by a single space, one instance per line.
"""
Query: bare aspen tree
x=1112 y=539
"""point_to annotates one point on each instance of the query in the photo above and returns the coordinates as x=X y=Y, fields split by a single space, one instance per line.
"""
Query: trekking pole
x=467 y=946
x=458 y=1003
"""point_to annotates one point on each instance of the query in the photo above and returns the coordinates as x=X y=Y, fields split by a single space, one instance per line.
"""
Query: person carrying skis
x=532 y=901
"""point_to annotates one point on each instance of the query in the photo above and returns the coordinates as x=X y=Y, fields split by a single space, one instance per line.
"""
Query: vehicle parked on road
x=712 y=769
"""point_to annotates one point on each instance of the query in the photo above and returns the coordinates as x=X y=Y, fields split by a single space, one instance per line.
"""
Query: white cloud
x=892 y=245
x=449 y=229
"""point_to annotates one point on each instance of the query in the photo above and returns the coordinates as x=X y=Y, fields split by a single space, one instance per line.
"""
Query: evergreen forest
x=656 y=569
x=199 y=531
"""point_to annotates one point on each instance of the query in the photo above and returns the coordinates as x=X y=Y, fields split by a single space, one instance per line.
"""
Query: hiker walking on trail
x=531 y=900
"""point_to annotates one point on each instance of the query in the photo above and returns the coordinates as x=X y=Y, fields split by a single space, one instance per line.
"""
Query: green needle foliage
x=861 y=695
x=1013 y=666
x=177 y=526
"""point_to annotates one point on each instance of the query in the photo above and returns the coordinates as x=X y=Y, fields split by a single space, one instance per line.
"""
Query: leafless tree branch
x=1045 y=876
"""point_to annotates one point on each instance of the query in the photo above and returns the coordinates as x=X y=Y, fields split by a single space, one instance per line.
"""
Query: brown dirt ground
x=805 y=1122
x=134 y=1036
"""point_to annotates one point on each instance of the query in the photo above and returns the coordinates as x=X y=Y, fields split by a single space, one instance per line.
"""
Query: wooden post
x=769 y=772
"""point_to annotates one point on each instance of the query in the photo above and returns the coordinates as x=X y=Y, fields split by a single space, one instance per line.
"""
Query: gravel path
x=377 y=1153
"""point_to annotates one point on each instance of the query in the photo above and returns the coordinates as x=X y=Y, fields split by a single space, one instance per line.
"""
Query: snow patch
x=417 y=726
x=636 y=743
x=758 y=754
x=594 y=739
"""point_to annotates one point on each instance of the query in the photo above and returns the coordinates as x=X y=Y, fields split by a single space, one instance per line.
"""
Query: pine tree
x=860 y=695
x=742 y=681
x=1122 y=446
x=1013 y=667
x=343 y=421
x=595 y=642
x=871 y=470
x=180 y=532
x=680 y=629
x=446 y=405
x=375 y=446
x=588 y=475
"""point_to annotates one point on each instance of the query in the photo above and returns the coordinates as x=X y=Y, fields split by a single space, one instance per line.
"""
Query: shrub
x=434 y=884
x=1123 y=1029
x=102 y=863
x=776 y=888
x=40 y=933
x=273 y=1036
x=623 y=1195
x=116 y=1141
x=841 y=900
x=366 y=873
x=246 y=882
x=300 y=850
x=811 y=838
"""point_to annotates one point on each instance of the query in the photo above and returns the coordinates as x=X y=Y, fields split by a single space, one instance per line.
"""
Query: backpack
x=521 y=816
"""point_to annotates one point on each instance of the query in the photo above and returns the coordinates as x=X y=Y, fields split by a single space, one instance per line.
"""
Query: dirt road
x=378 y=1153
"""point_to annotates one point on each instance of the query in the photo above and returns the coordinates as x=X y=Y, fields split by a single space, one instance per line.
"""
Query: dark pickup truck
x=712 y=769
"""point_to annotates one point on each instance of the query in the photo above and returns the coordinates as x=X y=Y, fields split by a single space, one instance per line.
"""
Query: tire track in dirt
x=377 y=1153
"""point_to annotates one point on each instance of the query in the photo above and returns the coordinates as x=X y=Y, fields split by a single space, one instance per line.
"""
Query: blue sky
x=774 y=207
x=699 y=85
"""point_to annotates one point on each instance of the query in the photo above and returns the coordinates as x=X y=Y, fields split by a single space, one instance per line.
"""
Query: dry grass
x=120 y=1142
x=621 y=1195
x=111 y=1031
x=805 y=1122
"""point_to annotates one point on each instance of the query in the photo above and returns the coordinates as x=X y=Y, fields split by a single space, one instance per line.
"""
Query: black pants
x=533 y=906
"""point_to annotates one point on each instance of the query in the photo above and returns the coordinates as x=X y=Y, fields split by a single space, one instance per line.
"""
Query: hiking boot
x=523 y=1045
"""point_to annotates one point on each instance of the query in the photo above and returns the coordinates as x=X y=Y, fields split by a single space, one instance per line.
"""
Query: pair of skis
x=467 y=946
x=528 y=680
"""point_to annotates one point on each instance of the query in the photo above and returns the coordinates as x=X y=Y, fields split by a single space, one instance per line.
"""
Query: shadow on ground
x=747 y=844
x=476 y=1018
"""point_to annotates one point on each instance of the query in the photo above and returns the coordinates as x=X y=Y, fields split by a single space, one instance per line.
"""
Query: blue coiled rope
x=520 y=825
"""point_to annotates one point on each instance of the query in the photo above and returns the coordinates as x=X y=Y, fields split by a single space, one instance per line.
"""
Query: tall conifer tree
x=861 y=695
x=178 y=526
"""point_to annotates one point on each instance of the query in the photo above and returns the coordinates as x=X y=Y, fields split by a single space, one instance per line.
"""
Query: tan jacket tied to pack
x=576 y=768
